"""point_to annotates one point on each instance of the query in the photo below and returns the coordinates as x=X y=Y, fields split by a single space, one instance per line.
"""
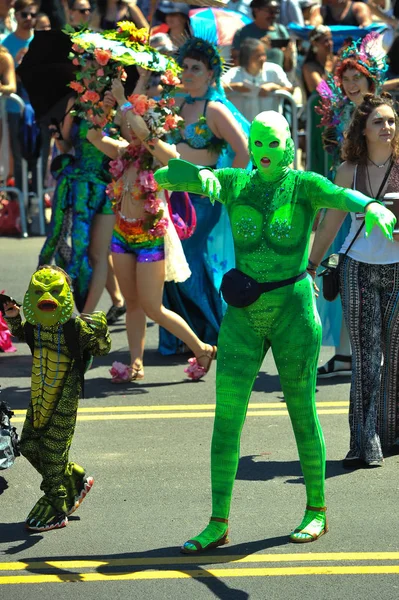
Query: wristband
x=125 y=107
x=311 y=265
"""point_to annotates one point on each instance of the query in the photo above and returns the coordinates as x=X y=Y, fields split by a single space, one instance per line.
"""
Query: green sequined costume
x=56 y=387
x=271 y=211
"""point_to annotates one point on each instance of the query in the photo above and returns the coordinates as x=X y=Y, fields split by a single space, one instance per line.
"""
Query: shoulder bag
x=332 y=263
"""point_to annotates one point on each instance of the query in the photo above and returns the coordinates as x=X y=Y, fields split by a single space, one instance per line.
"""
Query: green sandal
x=311 y=526
x=194 y=546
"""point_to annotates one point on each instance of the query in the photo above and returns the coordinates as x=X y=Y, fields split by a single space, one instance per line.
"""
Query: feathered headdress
x=368 y=57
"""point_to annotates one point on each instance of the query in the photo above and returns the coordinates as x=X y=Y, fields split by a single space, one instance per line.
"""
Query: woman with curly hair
x=360 y=69
x=369 y=282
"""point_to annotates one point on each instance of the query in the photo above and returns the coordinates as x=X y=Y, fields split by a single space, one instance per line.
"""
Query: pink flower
x=77 y=87
x=160 y=228
x=120 y=371
x=171 y=101
x=140 y=104
x=90 y=96
x=194 y=370
x=77 y=48
x=168 y=78
x=100 y=72
x=147 y=181
x=102 y=56
x=75 y=62
x=117 y=167
x=152 y=205
x=170 y=122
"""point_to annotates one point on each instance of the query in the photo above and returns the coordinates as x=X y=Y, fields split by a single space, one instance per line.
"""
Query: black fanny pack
x=240 y=290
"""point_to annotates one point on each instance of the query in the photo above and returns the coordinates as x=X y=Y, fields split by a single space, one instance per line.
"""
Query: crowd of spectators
x=268 y=53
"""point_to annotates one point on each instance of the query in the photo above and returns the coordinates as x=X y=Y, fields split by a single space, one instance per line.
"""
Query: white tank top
x=376 y=249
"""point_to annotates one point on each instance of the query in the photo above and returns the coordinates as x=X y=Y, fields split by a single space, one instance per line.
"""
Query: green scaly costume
x=271 y=211
x=56 y=387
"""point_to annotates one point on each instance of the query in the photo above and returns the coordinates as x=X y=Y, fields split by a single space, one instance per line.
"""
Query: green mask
x=270 y=145
x=48 y=300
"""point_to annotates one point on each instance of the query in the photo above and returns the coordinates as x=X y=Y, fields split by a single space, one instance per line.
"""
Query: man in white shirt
x=250 y=86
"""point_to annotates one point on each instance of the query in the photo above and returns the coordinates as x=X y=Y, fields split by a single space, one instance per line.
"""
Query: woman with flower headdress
x=360 y=69
x=145 y=247
x=81 y=207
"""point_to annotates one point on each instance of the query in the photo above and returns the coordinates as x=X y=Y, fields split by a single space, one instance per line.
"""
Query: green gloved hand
x=210 y=184
x=377 y=214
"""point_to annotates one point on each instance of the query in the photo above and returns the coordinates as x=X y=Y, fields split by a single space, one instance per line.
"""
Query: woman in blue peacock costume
x=214 y=135
x=361 y=69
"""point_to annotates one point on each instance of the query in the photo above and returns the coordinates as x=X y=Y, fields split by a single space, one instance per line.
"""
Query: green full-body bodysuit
x=271 y=211
x=55 y=391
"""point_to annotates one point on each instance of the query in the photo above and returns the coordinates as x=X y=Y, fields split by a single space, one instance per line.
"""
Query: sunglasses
x=26 y=15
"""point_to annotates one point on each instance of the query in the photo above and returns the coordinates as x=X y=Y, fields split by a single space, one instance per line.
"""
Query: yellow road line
x=198 y=560
x=192 y=415
x=200 y=574
x=166 y=407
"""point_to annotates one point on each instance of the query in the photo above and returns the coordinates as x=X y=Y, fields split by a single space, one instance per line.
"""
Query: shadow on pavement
x=16 y=532
x=3 y=485
x=219 y=588
x=250 y=469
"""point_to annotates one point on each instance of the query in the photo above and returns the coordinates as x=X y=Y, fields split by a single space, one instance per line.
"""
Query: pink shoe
x=195 y=371
x=124 y=374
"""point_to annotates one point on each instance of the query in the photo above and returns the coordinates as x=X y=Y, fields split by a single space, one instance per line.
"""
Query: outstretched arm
x=183 y=176
x=324 y=194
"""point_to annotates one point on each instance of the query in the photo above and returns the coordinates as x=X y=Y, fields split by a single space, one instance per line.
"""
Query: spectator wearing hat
x=175 y=21
x=265 y=26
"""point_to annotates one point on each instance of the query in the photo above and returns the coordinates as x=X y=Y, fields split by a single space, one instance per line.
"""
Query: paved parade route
x=147 y=446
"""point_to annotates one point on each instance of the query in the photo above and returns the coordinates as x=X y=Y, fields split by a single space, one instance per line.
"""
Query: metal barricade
x=23 y=195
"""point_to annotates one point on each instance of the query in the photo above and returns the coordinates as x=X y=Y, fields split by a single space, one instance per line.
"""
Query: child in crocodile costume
x=271 y=210
x=56 y=387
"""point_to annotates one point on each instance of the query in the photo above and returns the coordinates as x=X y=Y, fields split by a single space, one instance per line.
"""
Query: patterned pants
x=370 y=301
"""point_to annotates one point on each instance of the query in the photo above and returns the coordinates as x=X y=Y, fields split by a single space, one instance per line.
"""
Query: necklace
x=379 y=166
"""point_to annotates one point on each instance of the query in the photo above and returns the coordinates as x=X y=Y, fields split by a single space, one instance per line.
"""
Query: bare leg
x=125 y=271
x=150 y=281
x=101 y=233
x=112 y=285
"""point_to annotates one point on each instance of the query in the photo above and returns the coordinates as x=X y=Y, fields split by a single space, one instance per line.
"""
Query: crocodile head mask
x=270 y=144
x=48 y=300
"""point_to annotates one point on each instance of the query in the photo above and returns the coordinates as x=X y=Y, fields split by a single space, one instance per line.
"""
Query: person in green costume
x=271 y=211
x=60 y=346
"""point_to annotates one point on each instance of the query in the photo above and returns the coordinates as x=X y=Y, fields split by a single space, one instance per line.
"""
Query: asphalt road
x=147 y=446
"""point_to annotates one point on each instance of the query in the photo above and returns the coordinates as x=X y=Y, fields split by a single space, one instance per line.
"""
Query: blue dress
x=209 y=251
x=79 y=195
